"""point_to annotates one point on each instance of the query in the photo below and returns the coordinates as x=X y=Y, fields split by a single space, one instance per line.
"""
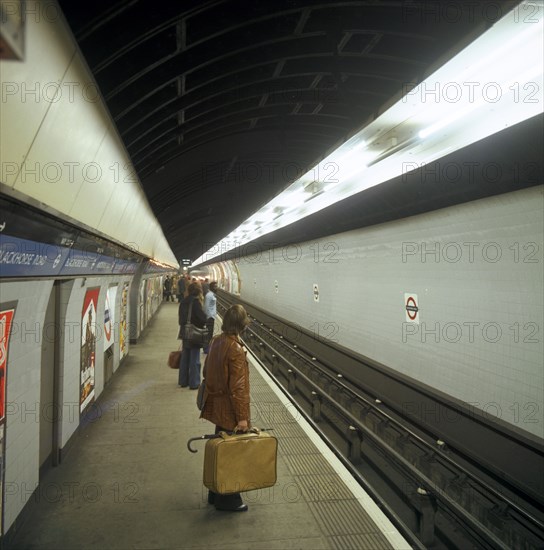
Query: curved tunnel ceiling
x=223 y=103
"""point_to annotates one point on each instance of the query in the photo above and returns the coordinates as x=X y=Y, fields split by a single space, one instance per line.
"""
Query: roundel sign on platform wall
x=411 y=307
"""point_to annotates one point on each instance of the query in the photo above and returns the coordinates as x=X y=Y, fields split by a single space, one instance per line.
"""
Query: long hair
x=235 y=320
x=195 y=289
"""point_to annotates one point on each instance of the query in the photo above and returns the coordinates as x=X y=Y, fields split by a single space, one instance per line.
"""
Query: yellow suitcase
x=240 y=462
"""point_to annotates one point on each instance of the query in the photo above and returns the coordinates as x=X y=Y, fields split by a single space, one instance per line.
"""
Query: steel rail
x=425 y=445
x=389 y=512
x=415 y=474
x=456 y=510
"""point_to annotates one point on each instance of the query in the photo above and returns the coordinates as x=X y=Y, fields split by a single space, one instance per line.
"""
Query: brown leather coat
x=227 y=382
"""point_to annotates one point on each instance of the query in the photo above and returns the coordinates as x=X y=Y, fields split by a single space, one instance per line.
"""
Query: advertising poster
x=109 y=316
x=157 y=294
x=148 y=301
x=88 y=348
x=222 y=278
x=123 y=336
x=236 y=279
x=6 y=320
x=141 y=306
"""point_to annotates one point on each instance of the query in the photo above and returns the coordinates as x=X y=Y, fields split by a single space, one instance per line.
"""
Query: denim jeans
x=189 y=367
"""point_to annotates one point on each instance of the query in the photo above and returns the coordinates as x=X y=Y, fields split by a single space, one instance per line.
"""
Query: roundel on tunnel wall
x=411 y=308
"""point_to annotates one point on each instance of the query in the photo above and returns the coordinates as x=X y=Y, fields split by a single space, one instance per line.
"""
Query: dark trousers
x=209 y=325
x=224 y=502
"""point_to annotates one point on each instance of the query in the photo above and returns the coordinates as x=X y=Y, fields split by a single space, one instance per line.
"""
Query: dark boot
x=230 y=503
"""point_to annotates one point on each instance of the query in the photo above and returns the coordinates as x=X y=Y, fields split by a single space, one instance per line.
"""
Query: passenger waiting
x=226 y=397
x=189 y=366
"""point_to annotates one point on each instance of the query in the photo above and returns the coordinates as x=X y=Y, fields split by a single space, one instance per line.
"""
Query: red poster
x=88 y=348
x=123 y=336
x=6 y=318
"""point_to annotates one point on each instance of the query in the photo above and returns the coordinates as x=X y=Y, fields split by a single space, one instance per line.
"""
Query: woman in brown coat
x=227 y=389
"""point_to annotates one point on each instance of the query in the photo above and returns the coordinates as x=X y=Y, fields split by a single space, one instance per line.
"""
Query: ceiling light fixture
x=497 y=80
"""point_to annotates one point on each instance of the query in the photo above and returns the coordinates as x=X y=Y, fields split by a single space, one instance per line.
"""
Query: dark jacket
x=227 y=382
x=198 y=317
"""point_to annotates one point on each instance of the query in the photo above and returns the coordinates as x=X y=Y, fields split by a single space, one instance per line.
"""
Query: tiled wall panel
x=477 y=271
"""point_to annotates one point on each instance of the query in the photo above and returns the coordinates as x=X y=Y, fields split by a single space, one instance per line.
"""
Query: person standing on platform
x=226 y=397
x=189 y=365
x=210 y=309
x=205 y=286
x=167 y=289
x=181 y=289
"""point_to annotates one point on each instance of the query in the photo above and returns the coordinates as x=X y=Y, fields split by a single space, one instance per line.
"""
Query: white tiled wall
x=480 y=337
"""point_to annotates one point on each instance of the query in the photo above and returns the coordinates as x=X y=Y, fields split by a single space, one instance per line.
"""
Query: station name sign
x=26 y=258
x=34 y=244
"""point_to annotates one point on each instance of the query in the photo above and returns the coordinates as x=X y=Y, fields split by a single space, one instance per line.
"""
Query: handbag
x=200 y=400
x=195 y=336
x=173 y=359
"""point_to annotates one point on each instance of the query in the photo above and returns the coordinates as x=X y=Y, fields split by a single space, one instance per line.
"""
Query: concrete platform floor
x=129 y=481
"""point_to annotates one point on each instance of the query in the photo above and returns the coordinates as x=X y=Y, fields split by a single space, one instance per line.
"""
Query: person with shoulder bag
x=189 y=366
x=226 y=393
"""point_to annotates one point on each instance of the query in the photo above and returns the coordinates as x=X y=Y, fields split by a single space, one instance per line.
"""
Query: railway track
x=447 y=480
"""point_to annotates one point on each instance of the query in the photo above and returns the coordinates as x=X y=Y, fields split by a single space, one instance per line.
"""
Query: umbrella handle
x=199 y=438
x=213 y=436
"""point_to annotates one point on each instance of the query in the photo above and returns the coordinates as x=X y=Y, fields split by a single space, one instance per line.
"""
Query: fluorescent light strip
x=508 y=58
